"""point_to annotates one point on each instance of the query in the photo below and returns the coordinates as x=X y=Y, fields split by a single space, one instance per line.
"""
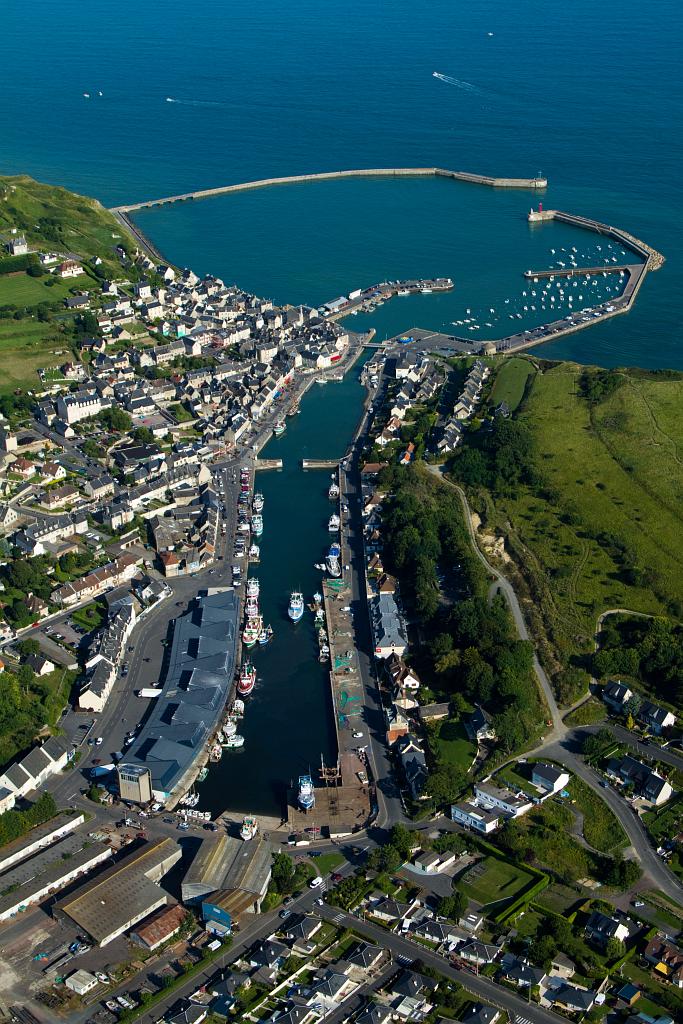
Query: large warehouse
x=230 y=874
x=200 y=674
x=122 y=895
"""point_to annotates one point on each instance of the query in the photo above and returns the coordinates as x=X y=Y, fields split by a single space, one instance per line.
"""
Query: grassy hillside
x=35 y=329
x=55 y=218
x=597 y=523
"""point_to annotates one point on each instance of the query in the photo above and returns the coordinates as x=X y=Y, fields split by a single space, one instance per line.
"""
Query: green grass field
x=600 y=827
x=54 y=218
x=610 y=469
x=26 y=345
x=511 y=381
x=493 y=879
x=23 y=290
x=450 y=745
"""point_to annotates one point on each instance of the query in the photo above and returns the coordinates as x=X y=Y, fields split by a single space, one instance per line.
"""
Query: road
x=566 y=751
x=563 y=744
x=478 y=985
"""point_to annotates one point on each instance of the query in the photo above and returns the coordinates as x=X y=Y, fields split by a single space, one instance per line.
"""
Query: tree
x=143 y=435
x=614 y=948
x=282 y=876
x=115 y=419
x=402 y=840
x=28 y=646
x=454 y=906
x=445 y=784
x=630 y=721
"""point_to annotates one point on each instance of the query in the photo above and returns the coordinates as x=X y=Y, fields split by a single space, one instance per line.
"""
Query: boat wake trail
x=449 y=80
x=195 y=103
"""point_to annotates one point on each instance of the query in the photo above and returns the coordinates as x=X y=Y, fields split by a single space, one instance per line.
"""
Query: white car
x=358 y=735
x=98 y=741
x=315 y=882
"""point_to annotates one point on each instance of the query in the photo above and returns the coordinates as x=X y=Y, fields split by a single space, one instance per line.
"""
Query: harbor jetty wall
x=363 y=172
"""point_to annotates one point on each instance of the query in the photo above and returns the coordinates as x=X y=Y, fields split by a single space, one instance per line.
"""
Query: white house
x=548 y=778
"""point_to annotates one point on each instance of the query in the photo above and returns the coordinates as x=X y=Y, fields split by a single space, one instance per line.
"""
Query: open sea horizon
x=586 y=93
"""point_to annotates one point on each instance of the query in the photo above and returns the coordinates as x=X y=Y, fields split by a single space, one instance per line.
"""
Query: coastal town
x=413 y=878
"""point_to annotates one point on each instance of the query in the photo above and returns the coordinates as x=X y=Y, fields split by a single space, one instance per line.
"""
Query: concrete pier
x=376 y=172
x=608 y=268
x=319 y=463
x=260 y=464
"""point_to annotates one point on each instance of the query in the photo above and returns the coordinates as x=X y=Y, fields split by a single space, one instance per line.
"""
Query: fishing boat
x=333 y=492
x=306 y=794
x=237 y=708
x=255 y=553
x=279 y=428
x=249 y=827
x=251 y=631
x=321 y=380
x=202 y=774
x=333 y=523
x=324 y=655
x=319 y=616
x=251 y=607
x=229 y=728
x=332 y=561
x=403 y=291
x=234 y=742
x=257 y=525
x=216 y=752
x=253 y=587
x=296 y=606
x=265 y=636
x=317 y=599
x=259 y=502
x=247 y=679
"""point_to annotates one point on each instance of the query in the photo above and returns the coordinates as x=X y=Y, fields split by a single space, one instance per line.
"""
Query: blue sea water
x=588 y=93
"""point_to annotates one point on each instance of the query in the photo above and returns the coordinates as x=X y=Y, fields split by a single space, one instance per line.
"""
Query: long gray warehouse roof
x=200 y=673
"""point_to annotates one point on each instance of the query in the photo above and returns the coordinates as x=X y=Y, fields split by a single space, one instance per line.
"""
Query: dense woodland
x=649 y=649
x=471 y=649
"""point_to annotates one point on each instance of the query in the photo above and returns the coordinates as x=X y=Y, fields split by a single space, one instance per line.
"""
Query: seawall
x=374 y=172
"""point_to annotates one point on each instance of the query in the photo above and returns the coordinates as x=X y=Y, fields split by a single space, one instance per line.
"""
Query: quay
x=345 y=800
x=376 y=172
x=608 y=268
x=376 y=294
x=319 y=463
x=267 y=463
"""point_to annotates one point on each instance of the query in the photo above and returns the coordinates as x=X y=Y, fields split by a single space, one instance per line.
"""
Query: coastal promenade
x=363 y=172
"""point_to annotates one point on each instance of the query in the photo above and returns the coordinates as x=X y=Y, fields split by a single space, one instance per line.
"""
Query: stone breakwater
x=375 y=172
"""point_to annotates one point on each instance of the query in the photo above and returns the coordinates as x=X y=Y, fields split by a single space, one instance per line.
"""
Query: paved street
x=405 y=951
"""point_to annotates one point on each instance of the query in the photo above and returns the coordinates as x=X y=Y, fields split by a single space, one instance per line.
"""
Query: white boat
x=249 y=827
x=333 y=492
x=333 y=523
x=259 y=502
x=229 y=727
x=257 y=525
x=403 y=291
x=332 y=561
x=253 y=587
x=296 y=606
x=254 y=553
x=306 y=795
x=238 y=707
x=234 y=742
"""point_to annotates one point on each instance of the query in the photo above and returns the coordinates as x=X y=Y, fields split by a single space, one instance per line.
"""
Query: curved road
x=563 y=745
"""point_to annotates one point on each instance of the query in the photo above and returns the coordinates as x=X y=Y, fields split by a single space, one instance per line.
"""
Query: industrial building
x=123 y=894
x=135 y=783
x=47 y=871
x=45 y=834
x=229 y=877
x=198 y=681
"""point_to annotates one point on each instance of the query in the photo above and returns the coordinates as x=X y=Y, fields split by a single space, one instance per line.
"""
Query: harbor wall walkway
x=374 y=172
